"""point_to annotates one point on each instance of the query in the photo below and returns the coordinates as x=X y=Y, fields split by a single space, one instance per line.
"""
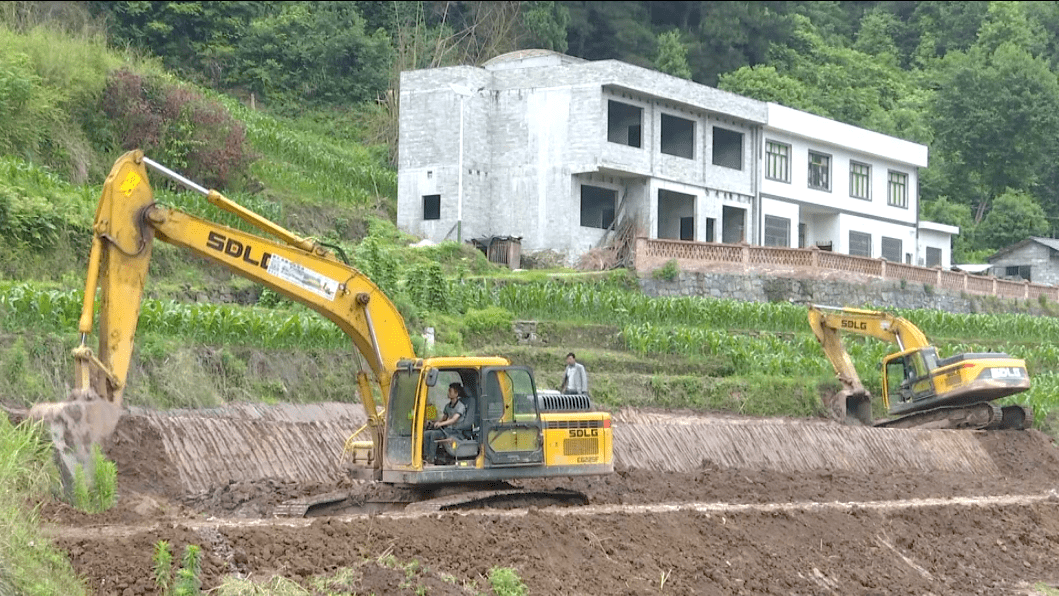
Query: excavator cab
x=907 y=376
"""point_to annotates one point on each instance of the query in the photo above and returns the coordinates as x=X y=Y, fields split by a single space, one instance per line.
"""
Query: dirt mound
x=763 y=530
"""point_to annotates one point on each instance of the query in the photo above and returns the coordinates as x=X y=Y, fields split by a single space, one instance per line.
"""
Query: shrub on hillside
x=177 y=126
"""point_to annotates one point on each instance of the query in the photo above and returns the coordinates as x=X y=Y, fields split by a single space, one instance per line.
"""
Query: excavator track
x=382 y=498
x=980 y=416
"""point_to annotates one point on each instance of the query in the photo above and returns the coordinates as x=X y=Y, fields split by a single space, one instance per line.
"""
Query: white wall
x=838 y=198
x=877 y=229
x=934 y=239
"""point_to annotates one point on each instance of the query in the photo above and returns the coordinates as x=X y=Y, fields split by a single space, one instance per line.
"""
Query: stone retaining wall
x=870 y=292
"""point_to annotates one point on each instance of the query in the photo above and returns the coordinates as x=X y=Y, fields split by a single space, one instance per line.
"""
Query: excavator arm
x=949 y=392
x=853 y=403
x=126 y=223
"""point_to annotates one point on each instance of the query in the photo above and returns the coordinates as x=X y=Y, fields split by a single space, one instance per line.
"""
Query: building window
x=678 y=136
x=624 y=123
x=819 y=171
x=597 y=206
x=891 y=249
x=933 y=257
x=897 y=190
x=431 y=206
x=1017 y=272
x=727 y=148
x=859 y=180
x=859 y=244
x=777 y=161
x=777 y=231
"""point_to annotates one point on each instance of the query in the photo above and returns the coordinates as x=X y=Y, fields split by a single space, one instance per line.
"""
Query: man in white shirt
x=576 y=379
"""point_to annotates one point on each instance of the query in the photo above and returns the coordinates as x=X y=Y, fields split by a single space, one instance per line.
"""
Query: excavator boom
x=511 y=436
x=918 y=387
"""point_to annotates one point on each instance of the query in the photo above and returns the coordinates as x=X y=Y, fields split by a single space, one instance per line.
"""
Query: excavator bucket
x=850 y=406
x=74 y=426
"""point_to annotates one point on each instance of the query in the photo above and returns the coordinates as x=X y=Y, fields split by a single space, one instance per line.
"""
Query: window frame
x=663 y=145
x=867 y=236
x=866 y=175
x=928 y=253
x=734 y=134
x=610 y=125
x=782 y=160
x=900 y=249
x=434 y=198
x=597 y=206
x=787 y=231
x=827 y=174
x=892 y=201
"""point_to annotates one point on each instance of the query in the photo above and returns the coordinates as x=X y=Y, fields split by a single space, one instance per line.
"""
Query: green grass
x=29 y=564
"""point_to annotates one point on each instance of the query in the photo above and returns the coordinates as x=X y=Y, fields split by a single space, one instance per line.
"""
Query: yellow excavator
x=514 y=431
x=919 y=389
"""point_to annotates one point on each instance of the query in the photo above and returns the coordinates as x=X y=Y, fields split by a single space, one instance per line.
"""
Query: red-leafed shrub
x=177 y=126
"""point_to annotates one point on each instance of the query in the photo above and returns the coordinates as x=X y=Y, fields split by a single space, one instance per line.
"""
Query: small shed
x=502 y=250
x=1033 y=259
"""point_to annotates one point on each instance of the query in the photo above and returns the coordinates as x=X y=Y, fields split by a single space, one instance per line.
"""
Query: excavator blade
x=75 y=425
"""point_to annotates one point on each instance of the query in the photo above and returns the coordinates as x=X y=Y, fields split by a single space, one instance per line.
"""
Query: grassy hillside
x=208 y=337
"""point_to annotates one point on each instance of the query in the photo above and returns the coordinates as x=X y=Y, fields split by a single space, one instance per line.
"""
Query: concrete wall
x=939 y=240
x=873 y=293
x=536 y=130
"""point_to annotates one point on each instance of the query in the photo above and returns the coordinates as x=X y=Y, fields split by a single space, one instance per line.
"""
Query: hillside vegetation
x=207 y=337
x=223 y=108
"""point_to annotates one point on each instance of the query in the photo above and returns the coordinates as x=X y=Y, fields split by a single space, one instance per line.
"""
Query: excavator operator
x=445 y=428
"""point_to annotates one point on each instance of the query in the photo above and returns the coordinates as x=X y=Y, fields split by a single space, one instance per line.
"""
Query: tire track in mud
x=117 y=531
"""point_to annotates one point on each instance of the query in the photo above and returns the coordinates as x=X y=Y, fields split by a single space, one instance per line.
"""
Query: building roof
x=934 y=226
x=820 y=129
x=531 y=57
x=973 y=267
x=1051 y=243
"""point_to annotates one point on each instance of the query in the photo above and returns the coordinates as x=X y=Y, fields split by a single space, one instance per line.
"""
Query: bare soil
x=712 y=531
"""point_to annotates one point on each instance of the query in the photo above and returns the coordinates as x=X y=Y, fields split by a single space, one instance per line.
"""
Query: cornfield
x=23 y=306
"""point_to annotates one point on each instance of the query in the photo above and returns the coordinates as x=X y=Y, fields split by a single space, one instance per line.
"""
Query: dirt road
x=711 y=530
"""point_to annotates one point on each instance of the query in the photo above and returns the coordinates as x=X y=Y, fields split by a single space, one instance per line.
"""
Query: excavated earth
x=698 y=505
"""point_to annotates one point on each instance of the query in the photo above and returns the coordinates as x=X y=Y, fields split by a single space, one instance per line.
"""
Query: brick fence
x=651 y=254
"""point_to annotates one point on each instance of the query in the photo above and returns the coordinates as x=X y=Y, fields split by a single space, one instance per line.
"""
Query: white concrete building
x=562 y=152
x=846 y=189
x=557 y=150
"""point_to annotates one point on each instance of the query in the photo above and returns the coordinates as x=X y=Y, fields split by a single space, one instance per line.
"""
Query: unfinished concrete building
x=570 y=155
x=566 y=153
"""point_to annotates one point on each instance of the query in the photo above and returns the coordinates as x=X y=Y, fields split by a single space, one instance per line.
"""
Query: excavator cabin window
x=400 y=415
x=899 y=380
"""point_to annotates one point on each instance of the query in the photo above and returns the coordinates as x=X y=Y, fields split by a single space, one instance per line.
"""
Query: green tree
x=996 y=119
x=672 y=57
x=191 y=37
x=1014 y=217
x=546 y=24
x=875 y=36
x=1009 y=22
x=315 y=53
x=611 y=30
x=945 y=211
x=837 y=82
